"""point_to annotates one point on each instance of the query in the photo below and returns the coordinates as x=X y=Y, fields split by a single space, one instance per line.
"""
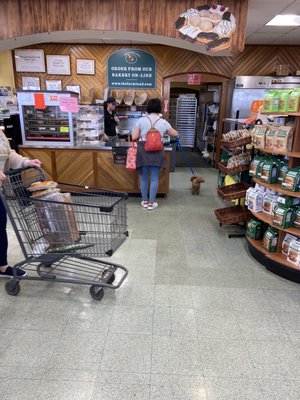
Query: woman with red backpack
x=149 y=132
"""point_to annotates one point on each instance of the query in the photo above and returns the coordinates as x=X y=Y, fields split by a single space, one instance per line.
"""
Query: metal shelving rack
x=186 y=119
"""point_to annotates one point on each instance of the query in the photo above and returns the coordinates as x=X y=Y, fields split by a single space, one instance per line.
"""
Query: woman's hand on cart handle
x=2 y=177
x=34 y=163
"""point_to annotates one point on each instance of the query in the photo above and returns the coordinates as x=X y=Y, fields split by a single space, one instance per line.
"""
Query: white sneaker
x=145 y=203
x=152 y=206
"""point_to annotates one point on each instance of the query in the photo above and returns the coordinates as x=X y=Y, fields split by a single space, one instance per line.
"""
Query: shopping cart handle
x=18 y=170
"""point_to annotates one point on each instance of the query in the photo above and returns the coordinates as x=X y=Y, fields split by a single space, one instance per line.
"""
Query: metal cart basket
x=62 y=235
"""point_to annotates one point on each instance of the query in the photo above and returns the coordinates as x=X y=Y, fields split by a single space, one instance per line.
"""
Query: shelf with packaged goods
x=269 y=220
x=276 y=187
x=280 y=258
x=282 y=114
x=295 y=154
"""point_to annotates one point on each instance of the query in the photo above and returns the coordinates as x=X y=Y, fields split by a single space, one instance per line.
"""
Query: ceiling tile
x=276 y=29
x=263 y=38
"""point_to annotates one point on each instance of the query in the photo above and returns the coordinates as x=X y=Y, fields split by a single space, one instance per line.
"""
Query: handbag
x=131 y=157
x=153 y=139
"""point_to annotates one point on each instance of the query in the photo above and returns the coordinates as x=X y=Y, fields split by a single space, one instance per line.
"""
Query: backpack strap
x=152 y=125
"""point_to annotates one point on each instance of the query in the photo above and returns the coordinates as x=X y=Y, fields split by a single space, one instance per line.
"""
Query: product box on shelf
x=288 y=201
x=296 y=218
x=294 y=252
x=286 y=243
x=283 y=169
x=254 y=164
x=269 y=203
x=259 y=132
x=271 y=137
x=255 y=200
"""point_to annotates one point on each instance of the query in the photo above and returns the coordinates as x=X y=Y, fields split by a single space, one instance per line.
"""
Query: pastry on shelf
x=128 y=97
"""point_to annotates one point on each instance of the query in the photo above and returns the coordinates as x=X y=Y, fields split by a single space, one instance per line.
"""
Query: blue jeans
x=154 y=176
x=3 y=235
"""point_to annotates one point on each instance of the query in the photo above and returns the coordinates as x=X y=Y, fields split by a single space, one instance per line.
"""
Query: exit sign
x=194 y=79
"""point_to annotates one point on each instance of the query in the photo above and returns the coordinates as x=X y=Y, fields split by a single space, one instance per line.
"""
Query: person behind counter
x=9 y=159
x=150 y=162
x=111 y=121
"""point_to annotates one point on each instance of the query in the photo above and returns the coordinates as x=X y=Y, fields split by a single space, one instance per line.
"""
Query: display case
x=89 y=124
x=46 y=124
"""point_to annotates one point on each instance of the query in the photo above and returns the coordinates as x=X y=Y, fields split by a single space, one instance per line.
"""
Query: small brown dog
x=196 y=184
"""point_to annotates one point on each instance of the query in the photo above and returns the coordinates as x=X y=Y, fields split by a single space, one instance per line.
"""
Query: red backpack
x=153 y=138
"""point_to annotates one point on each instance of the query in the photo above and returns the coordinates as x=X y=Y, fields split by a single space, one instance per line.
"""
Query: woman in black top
x=111 y=121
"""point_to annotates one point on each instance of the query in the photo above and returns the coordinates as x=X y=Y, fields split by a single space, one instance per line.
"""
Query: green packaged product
x=283 y=216
x=270 y=171
x=288 y=201
x=259 y=167
x=253 y=166
x=291 y=180
x=254 y=229
x=283 y=169
x=270 y=240
x=283 y=100
x=271 y=101
x=293 y=101
x=296 y=217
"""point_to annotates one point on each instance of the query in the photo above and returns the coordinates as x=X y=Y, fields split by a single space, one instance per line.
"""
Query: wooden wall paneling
x=44 y=155
x=40 y=16
x=132 y=8
x=26 y=11
x=75 y=166
x=107 y=16
x=79 y=13
x=113 y=176
x=13 y=23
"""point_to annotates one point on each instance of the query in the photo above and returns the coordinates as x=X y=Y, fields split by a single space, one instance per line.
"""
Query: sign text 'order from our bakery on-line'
x=210 y=26
x=131 y=69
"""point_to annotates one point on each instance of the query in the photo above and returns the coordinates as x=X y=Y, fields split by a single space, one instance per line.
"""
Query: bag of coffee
x=270 y=240
x=260 y=136
x=283 y=216
x=254 y=229
x=284 y=138
x=283 y=169
x=270 y=171
x=283 y=100
x=291 y=180
x=286 y=243
x=293 y=101
x=271 y=137
x=253 y=166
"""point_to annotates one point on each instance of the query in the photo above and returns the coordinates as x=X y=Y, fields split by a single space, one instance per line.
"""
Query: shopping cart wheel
x=12 y=287
x=96 y=292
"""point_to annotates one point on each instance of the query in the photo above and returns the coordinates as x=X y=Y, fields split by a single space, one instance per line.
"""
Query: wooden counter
x=91 y=167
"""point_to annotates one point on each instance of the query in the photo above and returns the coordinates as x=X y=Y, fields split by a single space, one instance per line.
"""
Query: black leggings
x=3 y=235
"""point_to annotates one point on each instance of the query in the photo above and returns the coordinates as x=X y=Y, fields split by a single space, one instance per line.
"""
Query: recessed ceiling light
x=285 y=20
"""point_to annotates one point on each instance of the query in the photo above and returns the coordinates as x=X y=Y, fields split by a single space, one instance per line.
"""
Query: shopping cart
x=63 y=240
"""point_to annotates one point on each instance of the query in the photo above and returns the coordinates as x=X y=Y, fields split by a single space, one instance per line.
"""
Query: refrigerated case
x=186 y=119
x=242 y=90
x=49 y=125
x=89 y=124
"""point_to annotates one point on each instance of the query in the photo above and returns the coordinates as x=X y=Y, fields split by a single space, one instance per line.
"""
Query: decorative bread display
x=210 y=25
x=118 y=95
x=128 y=97
x=140 y=99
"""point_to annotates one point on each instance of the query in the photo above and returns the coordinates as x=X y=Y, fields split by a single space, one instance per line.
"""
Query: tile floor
x=197 y=319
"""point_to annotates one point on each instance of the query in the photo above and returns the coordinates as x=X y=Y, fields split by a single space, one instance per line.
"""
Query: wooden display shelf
x=283 y=114
x=232 y=215
x=269 y=220
x=234 y=170
x=276 y=256
x=295 y=154
x=277 y=188
x=232 y=192
x=237 y=143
